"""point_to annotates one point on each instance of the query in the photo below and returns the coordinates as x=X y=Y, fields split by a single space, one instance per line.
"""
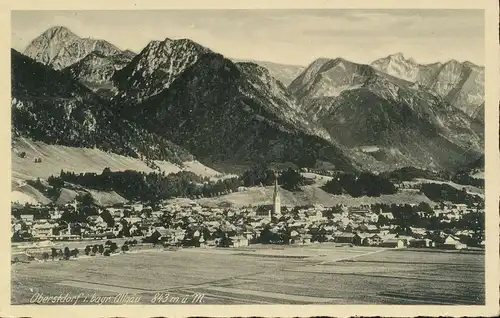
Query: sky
x=295 y=37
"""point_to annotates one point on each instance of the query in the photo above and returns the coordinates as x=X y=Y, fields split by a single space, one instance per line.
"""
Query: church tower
x=276 y=212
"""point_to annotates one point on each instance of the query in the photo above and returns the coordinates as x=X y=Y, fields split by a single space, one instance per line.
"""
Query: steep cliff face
x=460 y=84
x=58 y=48
x=399 y=66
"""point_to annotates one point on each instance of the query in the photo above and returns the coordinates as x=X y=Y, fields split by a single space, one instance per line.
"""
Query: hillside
x=365 y=109
x=55 y=158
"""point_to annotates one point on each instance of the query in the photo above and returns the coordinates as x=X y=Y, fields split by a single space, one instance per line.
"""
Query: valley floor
x=316 y=273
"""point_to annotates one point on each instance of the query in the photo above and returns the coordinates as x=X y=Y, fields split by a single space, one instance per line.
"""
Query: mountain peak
x=397 y=55
x=400 y=57
x=58 y=47
x=58 y=31
x=157 y=66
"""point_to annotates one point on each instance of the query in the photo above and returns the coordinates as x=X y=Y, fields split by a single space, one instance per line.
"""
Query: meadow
x=318 y=273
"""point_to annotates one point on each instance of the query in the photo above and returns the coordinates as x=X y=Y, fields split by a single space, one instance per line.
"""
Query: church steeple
x=276 y=200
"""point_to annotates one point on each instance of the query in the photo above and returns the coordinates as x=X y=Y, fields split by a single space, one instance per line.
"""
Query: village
x=190 y=224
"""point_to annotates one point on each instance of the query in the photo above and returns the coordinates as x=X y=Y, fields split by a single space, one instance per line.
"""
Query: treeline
x=289 y=179
x=411 y=173
x=141 y=186
x=444 y=192
x=364 y=184
x=134 y=185
x=466 y=178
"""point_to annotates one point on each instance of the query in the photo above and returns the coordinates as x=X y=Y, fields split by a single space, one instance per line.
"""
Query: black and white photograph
x=248 y=157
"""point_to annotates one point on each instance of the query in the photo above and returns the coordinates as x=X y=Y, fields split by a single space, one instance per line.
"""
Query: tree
x=53 y=253
x=95 y=249
x=87 y=250
x=85 y=199
x=75 y=252
x=125 y=248
x=333 y=186
x=101 y=249
x=291 y=180
x=67 y=253
x=45 y=256
x=108 y=218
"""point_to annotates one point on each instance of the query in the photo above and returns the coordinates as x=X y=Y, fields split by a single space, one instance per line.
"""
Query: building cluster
x=190 y=224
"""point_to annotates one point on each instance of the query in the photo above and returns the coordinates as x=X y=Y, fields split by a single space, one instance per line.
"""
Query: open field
x=318 y=273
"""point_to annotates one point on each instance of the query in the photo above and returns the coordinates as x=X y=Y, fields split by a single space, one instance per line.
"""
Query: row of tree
x=364 y=184
x=290 y=179
x=445 y=192
x=151 y=187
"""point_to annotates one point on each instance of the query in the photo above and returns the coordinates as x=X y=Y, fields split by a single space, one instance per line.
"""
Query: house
x=348 y=238
x=393 y=243
x=452 y=242
x=27 y=218
x=42 y=230
x=421 y=243
x=369 y=228
x=133 y=220
x=238 y=241
x=137 y=207
x=373 y=240
x=387 y=215
x=304 y=239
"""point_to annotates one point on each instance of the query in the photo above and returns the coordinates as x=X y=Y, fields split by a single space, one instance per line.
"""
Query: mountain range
x=176 y=98
x=460 y=84
x=50 y=106
x=397 y=119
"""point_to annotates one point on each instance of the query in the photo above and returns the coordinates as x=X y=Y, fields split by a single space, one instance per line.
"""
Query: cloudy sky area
x=283 y=36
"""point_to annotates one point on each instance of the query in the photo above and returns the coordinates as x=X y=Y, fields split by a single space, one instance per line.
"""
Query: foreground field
x=319 y=273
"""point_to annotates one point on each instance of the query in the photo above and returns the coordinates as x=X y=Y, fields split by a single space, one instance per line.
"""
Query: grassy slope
x=54 y=158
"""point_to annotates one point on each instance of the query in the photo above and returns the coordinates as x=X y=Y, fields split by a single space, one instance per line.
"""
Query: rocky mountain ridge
x=363 y=108
x=58 y=48
x=337 y=113
x=50 y=106
x=460 y=84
